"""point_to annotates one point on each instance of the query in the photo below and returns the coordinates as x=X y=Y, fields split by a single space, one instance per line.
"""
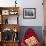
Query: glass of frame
x=29 y=13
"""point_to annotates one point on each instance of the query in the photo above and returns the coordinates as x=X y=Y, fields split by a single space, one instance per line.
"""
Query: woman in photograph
x=30 y=39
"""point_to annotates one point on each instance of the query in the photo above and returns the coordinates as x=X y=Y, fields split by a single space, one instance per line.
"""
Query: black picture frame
x=29 y=13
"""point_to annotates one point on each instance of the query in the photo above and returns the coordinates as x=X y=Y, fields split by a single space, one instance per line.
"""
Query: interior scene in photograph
x=22 y=23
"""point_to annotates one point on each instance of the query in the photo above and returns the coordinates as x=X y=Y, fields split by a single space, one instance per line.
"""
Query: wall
x=27 y=4
x=39 y=13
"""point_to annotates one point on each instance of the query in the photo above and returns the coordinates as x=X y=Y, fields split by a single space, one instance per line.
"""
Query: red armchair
x=30 y=34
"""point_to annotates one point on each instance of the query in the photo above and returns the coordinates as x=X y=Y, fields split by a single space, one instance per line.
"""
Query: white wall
x=7 y=3
x=39 y=12
x=27 y=4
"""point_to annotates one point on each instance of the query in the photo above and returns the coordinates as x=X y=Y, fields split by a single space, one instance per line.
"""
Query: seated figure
x=30 y=38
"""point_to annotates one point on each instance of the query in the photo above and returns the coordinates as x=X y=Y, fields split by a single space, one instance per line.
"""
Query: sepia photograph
x=29 y=13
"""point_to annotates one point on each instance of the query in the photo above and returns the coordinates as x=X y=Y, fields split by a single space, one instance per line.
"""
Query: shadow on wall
x=37 y=29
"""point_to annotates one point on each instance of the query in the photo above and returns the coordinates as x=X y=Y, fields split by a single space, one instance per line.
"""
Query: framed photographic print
x=29 y=13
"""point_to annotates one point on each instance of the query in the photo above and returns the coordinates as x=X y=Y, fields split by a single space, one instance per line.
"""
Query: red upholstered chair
x=29 y=33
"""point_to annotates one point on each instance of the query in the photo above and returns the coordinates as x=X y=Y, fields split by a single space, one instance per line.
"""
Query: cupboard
x=9 y=27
